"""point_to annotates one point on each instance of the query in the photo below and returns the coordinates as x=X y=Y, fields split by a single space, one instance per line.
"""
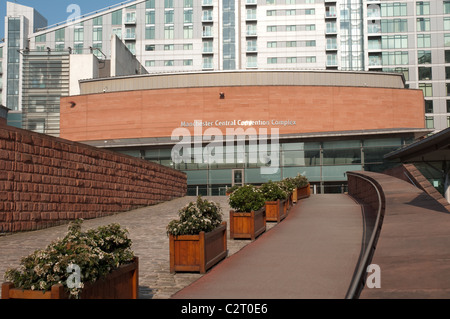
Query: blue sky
x=56 y=10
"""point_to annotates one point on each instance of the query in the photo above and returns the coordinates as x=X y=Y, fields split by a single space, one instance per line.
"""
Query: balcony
x=207 y=16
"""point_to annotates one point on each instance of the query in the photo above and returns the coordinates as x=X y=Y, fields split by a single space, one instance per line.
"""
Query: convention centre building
x=227 y=128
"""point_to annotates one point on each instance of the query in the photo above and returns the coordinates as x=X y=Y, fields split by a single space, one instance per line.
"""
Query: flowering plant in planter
x=287 y=185
x=96 y=252
x=195 y=217
x=232 y=189
x=272 y=191
x=300 y=181
x=246 y=198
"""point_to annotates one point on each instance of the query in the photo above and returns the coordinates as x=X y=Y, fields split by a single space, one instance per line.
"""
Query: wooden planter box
x=247 y=225
x=304 y=192
x=122 y=283
x=198 y=253
x=276 y=211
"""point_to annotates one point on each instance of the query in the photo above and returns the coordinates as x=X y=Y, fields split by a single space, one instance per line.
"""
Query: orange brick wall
x=156 y=113
x=45 y=181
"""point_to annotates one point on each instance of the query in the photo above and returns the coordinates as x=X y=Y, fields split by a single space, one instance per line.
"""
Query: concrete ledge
x=412 y=248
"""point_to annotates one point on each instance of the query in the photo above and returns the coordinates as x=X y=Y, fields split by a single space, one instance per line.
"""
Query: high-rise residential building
x=406 y=36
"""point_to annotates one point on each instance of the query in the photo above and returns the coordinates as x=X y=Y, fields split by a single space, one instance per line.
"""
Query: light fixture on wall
x=222 y=95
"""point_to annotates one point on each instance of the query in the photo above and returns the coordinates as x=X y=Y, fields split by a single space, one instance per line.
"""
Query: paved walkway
x=311 y=254
x=147 y=227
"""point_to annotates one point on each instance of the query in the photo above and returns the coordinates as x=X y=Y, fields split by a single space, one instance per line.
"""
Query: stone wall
x=45 y=181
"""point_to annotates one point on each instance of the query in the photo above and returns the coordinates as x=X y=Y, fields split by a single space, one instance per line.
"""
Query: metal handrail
x=358 y=283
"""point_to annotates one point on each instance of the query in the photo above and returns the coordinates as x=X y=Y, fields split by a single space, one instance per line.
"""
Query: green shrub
x=272 y=191
x=196 y=217
x=246 y=199
x=300 y=181
x=96 y=252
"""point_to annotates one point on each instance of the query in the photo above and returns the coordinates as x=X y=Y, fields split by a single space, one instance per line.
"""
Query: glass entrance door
x=238 y=177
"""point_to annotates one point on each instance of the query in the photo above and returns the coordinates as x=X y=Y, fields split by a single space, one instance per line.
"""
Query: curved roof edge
x=243 y=78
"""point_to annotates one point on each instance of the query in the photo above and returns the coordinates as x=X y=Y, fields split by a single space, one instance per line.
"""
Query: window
x=188 y=46
x=447 y=40
x=424 y=40
x=427 y=89
x=446 y=7
x=448 y=88
x=150 y=4
x=424 y=57
x=168 y=47
x=425 y=73
x=118 y=32
x=168 y=17
x=188 y=3
x=150 y=47
x=168 y=63
x=208 y=47
x=448 y=106
x=188 y=62
x=423 y=7
x=116 y=17
x=188 y=14
x=41 y=38
x=150 y=33
x=428 y=106
x=60 y=35
x=291 y=44
x=131 y=17
x=168 y=32
x=448 y=121
x=78 y=48
x=291 y=60
x=310 y=11
x=168 y=4
x=394 y=42
x=423 y=24
x=97 y=34
x=97 y=21
x=447 y=24
x=393 y=9
x=78 y=34
x=150 y=17
x=394 y=25
x=130 y=33
x=272 y=28
x=272 y=44
x=291 y=28
x=272 y=60
x=395 y=58
x=310 y=59
x=429 y=122
x=150 y=63
x=188 y=31
x=252 y=61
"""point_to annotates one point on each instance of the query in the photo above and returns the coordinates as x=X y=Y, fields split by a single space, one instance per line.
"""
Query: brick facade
x=156 y=113
x=45 y=181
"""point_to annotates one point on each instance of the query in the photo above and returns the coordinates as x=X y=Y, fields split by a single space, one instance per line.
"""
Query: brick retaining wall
x=45 y=181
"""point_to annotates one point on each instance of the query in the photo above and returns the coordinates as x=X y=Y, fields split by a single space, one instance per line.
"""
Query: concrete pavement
x=147 y=227
x=311 y=254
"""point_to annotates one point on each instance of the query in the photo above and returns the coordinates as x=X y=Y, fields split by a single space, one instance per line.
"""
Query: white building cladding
x=405 y=36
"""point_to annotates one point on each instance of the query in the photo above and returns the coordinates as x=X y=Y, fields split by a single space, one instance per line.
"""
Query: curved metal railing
x=358 y=281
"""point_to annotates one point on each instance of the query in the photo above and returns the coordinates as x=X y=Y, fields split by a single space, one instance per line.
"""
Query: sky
x=55 y=11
